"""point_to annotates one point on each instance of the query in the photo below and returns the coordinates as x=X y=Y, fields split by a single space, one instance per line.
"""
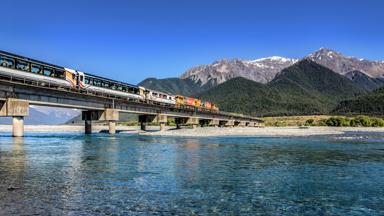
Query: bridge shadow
x=121 y=131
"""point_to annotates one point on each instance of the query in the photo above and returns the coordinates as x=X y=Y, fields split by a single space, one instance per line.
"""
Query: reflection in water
x=127 y=174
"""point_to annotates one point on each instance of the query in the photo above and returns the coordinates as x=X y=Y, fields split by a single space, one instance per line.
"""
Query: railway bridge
x=17 y=94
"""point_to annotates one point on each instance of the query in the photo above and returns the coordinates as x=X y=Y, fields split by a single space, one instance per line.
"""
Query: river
x=74 y=174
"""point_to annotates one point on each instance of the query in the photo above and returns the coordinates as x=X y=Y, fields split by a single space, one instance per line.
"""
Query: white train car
x=19 y=67
x=160 y=97
x=102 y=85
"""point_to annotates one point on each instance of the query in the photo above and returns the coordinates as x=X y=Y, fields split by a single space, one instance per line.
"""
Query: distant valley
x=46 y=116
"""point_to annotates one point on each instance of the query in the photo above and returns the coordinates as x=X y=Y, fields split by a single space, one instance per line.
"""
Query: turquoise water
x=73 y=174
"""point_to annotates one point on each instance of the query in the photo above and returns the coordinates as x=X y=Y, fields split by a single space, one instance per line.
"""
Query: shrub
x=363 y=121
x=377 y=122
x=337 y=122
x=322 y=122
x=309 y=122
x=171 y=122
x=280 y=124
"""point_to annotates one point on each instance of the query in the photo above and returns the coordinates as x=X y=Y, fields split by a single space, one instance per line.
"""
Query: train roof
x=30 y=59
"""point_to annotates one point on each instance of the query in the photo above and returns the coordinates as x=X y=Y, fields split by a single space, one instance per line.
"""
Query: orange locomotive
x=193 y=102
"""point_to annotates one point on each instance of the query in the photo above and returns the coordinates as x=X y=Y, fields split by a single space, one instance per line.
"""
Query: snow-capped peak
x=275 y=58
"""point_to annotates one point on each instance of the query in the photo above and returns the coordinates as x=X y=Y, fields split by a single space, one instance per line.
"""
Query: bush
x=322 y=122
x=171 y=122
x=363 y=121
x=280 y=124
x=337 y=122
x=129 y=123
x=377 y=122
x=309 y=122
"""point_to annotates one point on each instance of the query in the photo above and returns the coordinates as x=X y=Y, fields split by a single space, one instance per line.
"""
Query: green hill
x=369 y=104
x=302 y=89
x=175 y=86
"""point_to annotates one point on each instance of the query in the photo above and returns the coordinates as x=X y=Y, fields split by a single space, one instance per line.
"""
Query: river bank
x=202 y=132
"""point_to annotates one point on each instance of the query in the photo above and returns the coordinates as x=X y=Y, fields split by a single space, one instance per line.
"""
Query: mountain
x=368 y=75
x=39 y=115
x=364 y=81
x=202 y=78
x=341 y=64
x=261 y=70
x=174 y=86
x=369 y=104
x=304 y=88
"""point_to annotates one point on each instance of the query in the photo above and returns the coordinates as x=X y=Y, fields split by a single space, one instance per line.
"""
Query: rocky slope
x=364 y=81
x=369 y=75
x=260 y=70
x=304 y=88
x=341 y=64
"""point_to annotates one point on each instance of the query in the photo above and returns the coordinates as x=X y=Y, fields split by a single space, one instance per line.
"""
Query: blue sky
x=135 y=39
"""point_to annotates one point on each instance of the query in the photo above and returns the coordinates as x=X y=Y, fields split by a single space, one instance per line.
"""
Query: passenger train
x=19 y=67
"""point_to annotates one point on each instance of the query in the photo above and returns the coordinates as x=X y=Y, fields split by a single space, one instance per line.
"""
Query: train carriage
x=16 y=67
x=96 y=84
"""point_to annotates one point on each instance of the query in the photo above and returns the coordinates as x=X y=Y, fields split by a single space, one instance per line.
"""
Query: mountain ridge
x=303 y=88
x=201 y=78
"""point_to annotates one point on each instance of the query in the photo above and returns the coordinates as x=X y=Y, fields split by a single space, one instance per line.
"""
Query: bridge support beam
x=17 y=109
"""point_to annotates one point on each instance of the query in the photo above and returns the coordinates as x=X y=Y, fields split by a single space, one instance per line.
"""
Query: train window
x=36 y=68
x=120 y=88
x=98 y=83
x=106 y=85
x=59 y=73
x=124 y=89
x=22 y=65
x=113 y=86
x=86 y=81
x=7 y=62
x=47 y=71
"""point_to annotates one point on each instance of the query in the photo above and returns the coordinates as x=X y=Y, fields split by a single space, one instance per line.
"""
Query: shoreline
x=201 y=132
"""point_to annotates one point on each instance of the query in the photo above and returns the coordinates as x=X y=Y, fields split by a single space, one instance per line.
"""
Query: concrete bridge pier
x=240 y=123
x=112 y=127
x=209 y=122
x=112 y=116
x=227 y=123
x=191 y=121
x=17 y=109
x=18 y=126
x=159 y=118
x=87 y=117
x=109 y=115
x=143 y=126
